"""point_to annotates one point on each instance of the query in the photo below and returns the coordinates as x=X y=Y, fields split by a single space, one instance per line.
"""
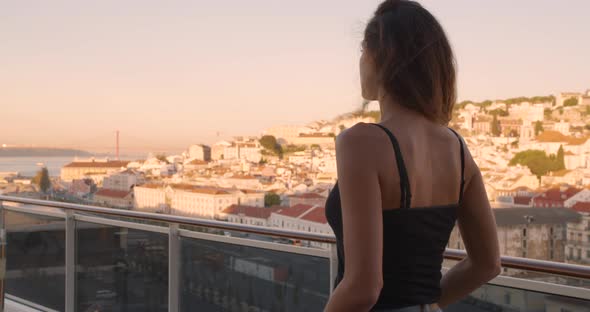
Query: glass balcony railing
x=66 y=257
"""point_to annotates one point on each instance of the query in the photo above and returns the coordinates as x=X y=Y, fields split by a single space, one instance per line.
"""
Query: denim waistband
x=416 y=308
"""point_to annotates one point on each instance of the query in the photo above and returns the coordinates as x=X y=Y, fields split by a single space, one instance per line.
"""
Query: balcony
x=66 y=257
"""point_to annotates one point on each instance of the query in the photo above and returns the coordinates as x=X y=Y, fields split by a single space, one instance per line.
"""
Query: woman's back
x=432 y=157
x=414 y=235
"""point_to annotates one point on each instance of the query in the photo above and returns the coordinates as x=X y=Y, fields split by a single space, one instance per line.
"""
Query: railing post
x=173 y=268
x=70 y=262
x=333 y=266
x=2 y=255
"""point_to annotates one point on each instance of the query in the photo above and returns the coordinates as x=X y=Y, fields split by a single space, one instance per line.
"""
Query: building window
x=579 y=253
x=524 y=254
x=507 y=298
x=551 y=231
x=571 y=252
x=587 y=253
x=524 y=243
x=524 y=232
x=551 y=254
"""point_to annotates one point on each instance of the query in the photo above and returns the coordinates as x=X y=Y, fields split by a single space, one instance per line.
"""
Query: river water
x=28 y=166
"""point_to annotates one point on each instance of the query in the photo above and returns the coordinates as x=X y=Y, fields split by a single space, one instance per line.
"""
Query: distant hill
x=32 y=151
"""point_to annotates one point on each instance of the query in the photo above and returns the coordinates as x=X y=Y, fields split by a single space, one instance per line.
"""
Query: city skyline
x=179 y=74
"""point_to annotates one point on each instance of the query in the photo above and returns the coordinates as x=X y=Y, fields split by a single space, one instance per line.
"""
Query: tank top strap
x=406 y=194
x=462 y=165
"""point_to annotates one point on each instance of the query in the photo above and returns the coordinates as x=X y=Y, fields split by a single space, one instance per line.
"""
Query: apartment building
x=245 y=214
x=114 y=198
x=529 y=232
x=311 y=199
x=123 y=181
x=81 y=170
x=199 y=151
x=578 y=236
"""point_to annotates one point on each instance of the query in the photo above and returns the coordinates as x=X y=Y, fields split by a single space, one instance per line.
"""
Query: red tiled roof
x=250 y=191
x=318 y=215
x=97 y=164
x=307 y=195
x=200 y=189
x=250 y=211
x=238 y=176
x=198 y=162
x=294 y=211
x=556 y=194
x=151 y=185
x=582 y=207
x=112 y=193
x=522 y=200
x=555 y=136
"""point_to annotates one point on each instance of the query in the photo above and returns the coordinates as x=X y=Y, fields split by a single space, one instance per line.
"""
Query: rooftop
x=317 y=214
x=112 y=193
x=251 y=211
x=516 y=216
x=294 y=211
x=97 y=164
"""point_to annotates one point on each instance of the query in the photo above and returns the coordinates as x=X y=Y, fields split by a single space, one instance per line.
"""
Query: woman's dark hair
x=413 y=58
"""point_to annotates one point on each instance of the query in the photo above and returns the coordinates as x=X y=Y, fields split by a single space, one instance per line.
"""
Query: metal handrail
x=533 y=265
x=214 y=224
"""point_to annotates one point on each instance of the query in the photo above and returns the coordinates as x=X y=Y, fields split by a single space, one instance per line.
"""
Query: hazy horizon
x=169 y=75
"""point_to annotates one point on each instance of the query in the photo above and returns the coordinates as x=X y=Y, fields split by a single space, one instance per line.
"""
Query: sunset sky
x=171 y=73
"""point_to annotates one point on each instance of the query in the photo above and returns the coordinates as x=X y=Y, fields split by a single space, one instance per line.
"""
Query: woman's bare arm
x=478 y=229
x=360 y=196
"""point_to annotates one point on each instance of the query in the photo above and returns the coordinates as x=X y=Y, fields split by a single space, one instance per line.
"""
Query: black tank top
x=414 y=241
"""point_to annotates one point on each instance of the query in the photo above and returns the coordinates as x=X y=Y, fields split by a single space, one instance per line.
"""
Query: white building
x=301 y=218
x=122 y=181
x=250 y=197
x=564 y=96
x=197 y=201
x=577 y=249
x=244 y=214
x=562 y=127
x=249 y=151
x=581 y=196
x=284 y=134
x=151 y=198
x=527 y=112
x=218 y=149
x=200 y=152
x=241 y=182
x=99 y=168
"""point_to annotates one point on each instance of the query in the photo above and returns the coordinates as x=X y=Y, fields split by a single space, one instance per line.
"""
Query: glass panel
x=225 y=277
x=35 y=264
x=120 y=269
x=505 y=299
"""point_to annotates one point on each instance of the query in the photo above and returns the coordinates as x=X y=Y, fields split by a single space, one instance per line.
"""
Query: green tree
x=162 y=157
x=498 y=112
x=271 y=199
x=270 y=143
x=537 y=161
x=538 y=127
x=570 y=102
x=560 y=158
x=41 y=179
x=495 y=126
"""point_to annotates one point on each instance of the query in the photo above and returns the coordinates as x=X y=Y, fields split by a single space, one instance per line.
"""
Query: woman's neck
x=392 y=111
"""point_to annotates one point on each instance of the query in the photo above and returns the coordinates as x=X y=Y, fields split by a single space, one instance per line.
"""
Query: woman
x=405 y=182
